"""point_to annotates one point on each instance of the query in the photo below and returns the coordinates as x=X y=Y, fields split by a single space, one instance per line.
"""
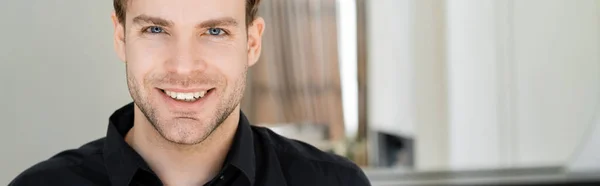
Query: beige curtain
x=297 y=79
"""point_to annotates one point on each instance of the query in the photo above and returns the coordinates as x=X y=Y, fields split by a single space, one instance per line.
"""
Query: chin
x=185 y=131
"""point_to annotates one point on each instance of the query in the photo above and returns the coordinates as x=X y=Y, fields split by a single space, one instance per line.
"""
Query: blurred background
x=417 y=92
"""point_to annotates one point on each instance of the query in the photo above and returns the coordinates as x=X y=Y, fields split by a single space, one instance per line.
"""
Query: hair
x=251 y=10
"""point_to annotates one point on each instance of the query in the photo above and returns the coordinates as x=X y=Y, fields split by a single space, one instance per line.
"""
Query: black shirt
x=257 y=156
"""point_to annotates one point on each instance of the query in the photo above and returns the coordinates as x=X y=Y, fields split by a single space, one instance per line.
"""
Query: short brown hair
x=251 y=9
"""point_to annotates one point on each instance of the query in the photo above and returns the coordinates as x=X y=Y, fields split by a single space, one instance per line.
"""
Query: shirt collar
x=242 y=154
x=122 y=161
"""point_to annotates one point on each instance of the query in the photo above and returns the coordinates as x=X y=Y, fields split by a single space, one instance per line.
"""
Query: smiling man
x=186 y=71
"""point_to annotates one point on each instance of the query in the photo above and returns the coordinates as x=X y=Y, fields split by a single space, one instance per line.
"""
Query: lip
x=185 y=90
x=183 y=105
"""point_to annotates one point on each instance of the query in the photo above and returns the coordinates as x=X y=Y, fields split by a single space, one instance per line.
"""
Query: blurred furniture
x=394 y=151
x=314 y=134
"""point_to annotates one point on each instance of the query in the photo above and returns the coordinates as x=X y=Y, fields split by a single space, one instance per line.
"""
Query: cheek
x=230 y=59
x=142 y=58
x=147 y=51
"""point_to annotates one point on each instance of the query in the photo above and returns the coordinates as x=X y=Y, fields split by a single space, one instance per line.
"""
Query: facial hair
x=229 y=99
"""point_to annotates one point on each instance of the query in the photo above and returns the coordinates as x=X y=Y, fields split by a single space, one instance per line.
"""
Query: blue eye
x=154 y=30
x=215 y=31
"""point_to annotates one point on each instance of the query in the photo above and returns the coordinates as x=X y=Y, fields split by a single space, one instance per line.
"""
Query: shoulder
x=297 y=156
x=74 y=163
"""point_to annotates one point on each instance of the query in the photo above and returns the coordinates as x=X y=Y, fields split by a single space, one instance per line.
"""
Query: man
x=186 y=72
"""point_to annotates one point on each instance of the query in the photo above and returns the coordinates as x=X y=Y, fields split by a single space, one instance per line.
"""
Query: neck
x=180 y=164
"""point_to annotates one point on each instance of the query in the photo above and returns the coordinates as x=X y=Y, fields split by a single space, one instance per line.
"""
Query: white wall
x=523 y=80
x=520 y=79
x=557 y=57
x=586 y=157
x=406 y=71
x=472 y=80
x=390 y=67
x=587 y=154
x=430 y=85
x=60 y=78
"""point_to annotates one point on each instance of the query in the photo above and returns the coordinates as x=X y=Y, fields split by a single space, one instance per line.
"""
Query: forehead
x=187 y=11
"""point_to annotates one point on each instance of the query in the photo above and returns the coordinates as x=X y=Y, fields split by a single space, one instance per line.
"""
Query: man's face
x=186 y=62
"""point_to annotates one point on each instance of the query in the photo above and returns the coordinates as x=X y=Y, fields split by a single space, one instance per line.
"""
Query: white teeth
x=186 y=96
x=172 y=94
x=180 y=96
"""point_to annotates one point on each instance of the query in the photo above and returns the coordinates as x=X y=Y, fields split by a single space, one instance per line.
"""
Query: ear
x=119 y=37
x=255 y=33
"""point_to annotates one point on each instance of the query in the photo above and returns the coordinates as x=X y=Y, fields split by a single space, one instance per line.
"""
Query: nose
x=185 y=58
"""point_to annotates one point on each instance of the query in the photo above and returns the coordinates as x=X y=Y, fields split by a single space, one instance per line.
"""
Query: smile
x=186 y=96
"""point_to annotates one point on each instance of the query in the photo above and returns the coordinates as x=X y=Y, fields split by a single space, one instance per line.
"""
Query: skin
x=186 y=46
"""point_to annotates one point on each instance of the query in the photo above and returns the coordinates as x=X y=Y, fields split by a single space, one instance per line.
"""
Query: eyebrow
x=154 y=20
x=223 y=21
